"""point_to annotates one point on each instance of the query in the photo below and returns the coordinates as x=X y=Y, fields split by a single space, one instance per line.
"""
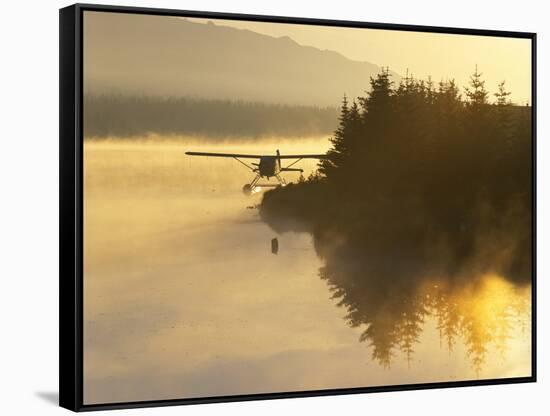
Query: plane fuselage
x=268 y=166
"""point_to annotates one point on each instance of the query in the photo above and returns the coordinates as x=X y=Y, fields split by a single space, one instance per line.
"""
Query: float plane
x=268 y=166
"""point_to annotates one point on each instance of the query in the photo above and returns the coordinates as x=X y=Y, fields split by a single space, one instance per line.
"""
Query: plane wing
x=223 y=155
x=303 y=156
x=241 y=156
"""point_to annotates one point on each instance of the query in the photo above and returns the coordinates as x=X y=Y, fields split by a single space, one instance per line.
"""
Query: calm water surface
x=183 y=297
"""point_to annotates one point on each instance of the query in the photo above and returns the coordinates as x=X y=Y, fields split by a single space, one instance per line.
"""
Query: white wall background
x=29 y=206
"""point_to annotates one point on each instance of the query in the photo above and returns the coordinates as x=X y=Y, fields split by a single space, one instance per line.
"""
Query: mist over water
x=183 y=297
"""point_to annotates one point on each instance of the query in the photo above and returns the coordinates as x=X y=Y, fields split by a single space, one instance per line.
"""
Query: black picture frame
x=71 y=207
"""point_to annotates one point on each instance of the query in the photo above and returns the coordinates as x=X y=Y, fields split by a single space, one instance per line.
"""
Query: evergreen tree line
x=441 y=166
x=423 y=183
x=417 y=166
x=133 y=116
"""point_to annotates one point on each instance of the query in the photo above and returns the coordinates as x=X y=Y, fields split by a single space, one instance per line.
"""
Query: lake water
x=184 y=298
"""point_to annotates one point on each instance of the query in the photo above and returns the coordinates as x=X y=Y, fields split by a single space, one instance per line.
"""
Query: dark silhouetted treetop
x=476 y=93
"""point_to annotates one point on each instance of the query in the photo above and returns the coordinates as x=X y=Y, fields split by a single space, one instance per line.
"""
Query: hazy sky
x=440 y=55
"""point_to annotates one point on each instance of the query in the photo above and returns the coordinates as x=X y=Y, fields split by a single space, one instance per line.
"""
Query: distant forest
x=133 y=116
x=425 y=183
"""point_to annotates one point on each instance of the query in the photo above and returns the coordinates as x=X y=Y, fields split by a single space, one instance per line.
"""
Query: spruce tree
x=502 y=95
x=379 y=97
x=339 y=151
x=476 y=93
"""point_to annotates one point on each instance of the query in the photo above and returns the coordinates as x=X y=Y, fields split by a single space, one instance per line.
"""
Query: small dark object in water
x=274 y=245
x=250 y=207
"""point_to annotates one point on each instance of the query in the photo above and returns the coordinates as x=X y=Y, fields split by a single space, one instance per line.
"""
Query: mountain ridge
x=165 y=56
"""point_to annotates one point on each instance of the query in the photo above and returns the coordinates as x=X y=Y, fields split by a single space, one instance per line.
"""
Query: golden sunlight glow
x=191 y=290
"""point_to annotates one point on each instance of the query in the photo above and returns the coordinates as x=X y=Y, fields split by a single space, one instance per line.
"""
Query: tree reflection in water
x=481 y=311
